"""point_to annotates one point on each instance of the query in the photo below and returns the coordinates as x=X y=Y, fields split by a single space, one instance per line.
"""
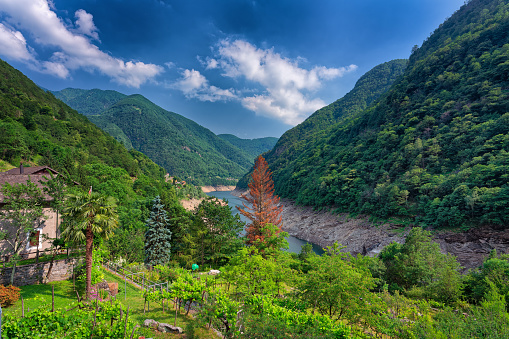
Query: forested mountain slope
x=321 y=123
x=39 y=129
x=89 y=102
x=184 y=148
x=253 y=147
x=435 y=147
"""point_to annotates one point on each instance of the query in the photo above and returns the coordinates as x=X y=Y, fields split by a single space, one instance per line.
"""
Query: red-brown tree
x=262 y=205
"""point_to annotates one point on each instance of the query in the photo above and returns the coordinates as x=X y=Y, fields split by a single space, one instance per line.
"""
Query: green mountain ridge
x=297 y=140
x=254 y=147
x=89 y=102
x=434 y=148
x=39 y=129
x=184 y=148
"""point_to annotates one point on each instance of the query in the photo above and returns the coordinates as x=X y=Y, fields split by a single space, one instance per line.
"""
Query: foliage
x=212 y=236
x=8 y=295
x=23 y=211
x=87 y=215
x=433 y=149
x=158 y=236
x=184 y=148
x=254 y=273
x=419 y=267
x=263 y=206
x=335 y=287
x=253 y=147
x=285 y=320
x=82 y=322
x=491 y=276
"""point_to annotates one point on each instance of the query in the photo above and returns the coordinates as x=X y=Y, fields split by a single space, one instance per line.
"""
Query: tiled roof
x=34 y=174
x=37 y=170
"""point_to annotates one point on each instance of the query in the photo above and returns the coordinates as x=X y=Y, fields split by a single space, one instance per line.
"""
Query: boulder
x=113 y=287
x=150 y=323
x=163 y=327
x=214 y=272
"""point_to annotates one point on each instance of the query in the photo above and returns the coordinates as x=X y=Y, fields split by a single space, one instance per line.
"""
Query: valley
x=382 y=214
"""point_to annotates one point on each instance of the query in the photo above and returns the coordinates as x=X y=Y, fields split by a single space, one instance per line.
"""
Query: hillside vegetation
x=39 y=129
x=253 y=147
x=433 y=148
x=184 y=148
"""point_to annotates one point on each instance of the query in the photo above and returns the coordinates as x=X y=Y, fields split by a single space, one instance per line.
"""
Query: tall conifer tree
x=264 y=205
x=158 y=236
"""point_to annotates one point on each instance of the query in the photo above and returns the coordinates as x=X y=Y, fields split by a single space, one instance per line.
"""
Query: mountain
x=39 y=129
x=184 y=148
x=253 y=147
x=89 y=102
x=434 y=148
x=295 y=141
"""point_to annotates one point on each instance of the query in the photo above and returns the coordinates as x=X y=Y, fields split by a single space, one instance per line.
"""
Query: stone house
x=44 y=230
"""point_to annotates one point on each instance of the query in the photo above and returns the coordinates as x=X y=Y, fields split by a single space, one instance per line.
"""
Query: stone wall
x=36 y=273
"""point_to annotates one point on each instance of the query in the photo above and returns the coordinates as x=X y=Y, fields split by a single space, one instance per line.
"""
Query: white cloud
x=288 y=88
x=72 y=51
x=85 y=24
x=13 y=44
x=194 y=85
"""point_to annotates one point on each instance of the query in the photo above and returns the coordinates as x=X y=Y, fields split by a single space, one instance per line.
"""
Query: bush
x=8 y=295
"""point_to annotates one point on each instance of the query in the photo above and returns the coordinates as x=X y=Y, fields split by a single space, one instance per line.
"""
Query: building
x=44 y=230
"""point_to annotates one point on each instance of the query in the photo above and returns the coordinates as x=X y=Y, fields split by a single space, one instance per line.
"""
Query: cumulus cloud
x=194 y=85
x=288 y=88
x=85 y=24
x=73 y=50
x=13 y=44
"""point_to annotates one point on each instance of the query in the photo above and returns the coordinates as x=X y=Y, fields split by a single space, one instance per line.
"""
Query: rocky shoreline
x=207 y=189
x=360 y=235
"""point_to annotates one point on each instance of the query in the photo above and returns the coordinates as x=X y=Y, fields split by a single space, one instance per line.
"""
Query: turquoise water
x=295 y=244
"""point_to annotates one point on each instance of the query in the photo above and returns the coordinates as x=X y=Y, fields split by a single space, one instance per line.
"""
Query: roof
x=37 y=174
x=36 y=170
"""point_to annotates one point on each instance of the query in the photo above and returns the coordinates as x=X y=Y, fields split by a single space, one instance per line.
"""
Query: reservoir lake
x=295 y=244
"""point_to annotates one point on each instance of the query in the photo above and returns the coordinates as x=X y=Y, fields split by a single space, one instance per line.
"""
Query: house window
x=34 y=238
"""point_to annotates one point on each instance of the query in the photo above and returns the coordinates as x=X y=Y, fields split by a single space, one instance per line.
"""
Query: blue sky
x=248 y=68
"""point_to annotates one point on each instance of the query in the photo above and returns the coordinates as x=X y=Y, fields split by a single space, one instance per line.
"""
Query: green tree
x=335 y=286
x=22 y=214
x=419 y=267
x=213 y=235
x=89 y=215
x=158 y=236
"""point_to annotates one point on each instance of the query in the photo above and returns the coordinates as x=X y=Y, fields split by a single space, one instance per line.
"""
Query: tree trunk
x=88 y=258
x=12 y=272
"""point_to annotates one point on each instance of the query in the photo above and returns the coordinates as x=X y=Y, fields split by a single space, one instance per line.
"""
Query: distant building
x=48 y=228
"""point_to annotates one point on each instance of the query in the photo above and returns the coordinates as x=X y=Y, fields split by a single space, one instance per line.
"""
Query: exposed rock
x=163 y=327
x=360 y=235
x=323 y=228
x=219 y=188
x=113 y=287
x=150 y=323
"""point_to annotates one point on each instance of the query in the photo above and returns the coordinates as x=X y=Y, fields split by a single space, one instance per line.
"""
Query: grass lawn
x=36 y=296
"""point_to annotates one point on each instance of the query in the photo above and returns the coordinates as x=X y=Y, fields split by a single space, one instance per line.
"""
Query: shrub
x=8 y=295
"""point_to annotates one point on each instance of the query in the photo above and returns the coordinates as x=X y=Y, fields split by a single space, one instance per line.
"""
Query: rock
x=214 y=272
x=113 y=287
x=163 y=327
x=103 y=285
x=360 y=235
x=150 y=323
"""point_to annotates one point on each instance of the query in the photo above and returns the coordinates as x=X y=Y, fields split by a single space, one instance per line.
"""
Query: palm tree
x=88 y=215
